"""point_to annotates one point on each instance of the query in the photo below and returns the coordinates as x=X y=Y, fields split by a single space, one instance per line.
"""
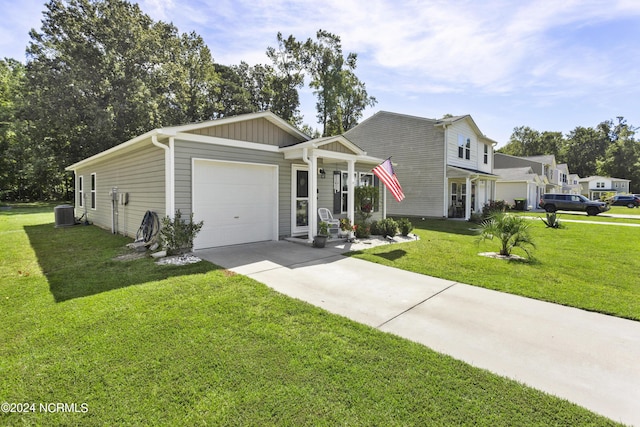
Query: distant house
x=520 y=183
x=445 y=166
x=594 y=187
x=252 y=177
x=546 y=166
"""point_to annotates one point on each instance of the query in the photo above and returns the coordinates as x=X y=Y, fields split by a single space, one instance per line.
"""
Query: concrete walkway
x=587 y=358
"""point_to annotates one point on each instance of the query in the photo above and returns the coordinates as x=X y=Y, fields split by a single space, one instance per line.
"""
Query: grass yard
x=132 y=343
x=589 y=266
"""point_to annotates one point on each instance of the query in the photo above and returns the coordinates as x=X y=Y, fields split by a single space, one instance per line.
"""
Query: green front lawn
x=589 y=266
x=132 y=343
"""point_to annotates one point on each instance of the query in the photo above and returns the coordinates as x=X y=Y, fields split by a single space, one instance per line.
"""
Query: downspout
x=446 y=199
x=168 y=174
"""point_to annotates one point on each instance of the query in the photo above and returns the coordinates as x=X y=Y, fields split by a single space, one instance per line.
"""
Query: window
x=599 y=184
x=461 y=146
x=486 y=154
x=93 y=191
x=363 y=179
x=467 y=150
x=80 y=191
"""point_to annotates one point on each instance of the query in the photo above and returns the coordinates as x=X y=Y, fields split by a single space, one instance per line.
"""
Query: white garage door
x=236 y=201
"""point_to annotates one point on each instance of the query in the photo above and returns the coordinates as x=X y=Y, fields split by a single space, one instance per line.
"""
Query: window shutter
x=337 y=192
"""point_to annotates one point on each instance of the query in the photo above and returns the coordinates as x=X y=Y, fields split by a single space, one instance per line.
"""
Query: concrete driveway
x=587 y=358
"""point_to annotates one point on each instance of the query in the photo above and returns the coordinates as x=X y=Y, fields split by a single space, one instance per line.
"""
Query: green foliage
x=405 y=226
x=323 y=228
x=492 y=207
x=366 y=197
x=177 y=235
x=552 y=220
x=362 y=229
x=388 y=227
x=158 y=345
x=512 y=231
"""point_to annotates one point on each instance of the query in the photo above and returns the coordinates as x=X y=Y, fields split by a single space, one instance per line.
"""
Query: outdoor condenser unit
x=64 y=216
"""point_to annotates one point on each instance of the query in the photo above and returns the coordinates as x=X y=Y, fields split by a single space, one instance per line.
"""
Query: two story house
x=544 y=165
x=595 y=187
x=445 y=166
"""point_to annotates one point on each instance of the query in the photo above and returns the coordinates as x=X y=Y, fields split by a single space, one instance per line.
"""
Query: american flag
x=385 y=172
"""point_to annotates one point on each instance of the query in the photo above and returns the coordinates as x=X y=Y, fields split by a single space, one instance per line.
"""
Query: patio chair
x=326 y=216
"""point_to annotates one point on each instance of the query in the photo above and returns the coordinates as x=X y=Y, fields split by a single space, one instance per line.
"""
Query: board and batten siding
x=185 y=151
x=140 y=172
x=257 y=130
x=417 y=147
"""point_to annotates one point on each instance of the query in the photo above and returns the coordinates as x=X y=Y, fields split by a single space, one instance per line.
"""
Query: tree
x=622 y=156
x=288 y=77
x=582 y=148
x=341 y=96
x=100 y=72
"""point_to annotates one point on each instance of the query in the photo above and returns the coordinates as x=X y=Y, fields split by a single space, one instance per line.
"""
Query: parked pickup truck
x=572 y=202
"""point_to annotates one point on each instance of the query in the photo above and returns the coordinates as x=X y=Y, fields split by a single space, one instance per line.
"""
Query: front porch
x=331 y=168
x=468 y=191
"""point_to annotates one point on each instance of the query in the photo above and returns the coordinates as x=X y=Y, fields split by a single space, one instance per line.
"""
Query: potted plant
x=320 y=240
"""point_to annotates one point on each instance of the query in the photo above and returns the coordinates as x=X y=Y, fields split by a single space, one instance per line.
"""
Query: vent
x=64 y=216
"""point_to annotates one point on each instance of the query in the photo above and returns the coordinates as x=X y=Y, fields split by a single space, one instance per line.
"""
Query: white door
x=237 y=202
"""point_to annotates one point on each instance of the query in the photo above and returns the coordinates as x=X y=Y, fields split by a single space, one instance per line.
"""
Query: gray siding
x=257 y=130
x=418 y=148
x=185 y=151
x=139 y=172
x=504 y=161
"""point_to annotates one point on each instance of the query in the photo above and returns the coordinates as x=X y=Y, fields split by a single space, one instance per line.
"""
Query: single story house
x=596 y=186
x=445 y=166
x=520 y=183
x=250 y=178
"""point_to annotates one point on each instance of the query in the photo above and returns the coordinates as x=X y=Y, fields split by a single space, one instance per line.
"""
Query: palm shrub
x=511 y=230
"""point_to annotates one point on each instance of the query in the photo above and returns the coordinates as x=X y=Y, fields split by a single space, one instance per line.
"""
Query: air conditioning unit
x=64 y=216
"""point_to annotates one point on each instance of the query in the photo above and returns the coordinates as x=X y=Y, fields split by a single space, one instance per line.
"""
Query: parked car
x=629 y=200
x=571 y=202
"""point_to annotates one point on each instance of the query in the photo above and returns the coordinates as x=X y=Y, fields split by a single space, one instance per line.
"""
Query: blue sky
x=551 y=65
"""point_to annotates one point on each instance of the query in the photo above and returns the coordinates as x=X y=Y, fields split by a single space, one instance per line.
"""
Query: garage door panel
x=236 y=201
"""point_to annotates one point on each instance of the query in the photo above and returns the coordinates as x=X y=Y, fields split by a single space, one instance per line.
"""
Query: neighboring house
x=569 y=181
x=520 y=183
x=594 y=187
x=545 y=166
x=445 y=166
x=248 y=177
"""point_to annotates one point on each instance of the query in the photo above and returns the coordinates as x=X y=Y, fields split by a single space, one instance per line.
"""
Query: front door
x=300 y=200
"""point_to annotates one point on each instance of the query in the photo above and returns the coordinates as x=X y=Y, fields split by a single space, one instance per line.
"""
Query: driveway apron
x=587 y=358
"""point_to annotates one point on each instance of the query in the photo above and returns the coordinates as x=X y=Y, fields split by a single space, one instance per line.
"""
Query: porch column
x=351 y=171
x=467 y=205
x=313 y=197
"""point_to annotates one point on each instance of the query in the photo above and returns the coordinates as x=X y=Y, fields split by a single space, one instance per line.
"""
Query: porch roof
x=460 y=172
x=332 y=147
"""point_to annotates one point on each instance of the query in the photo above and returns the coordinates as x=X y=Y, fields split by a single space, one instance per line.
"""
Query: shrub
x=177 y=234
x=405 y=226
x=362 y=230
x=511 y=230
x=388 y=227
x=375 y=228
x=492 y=207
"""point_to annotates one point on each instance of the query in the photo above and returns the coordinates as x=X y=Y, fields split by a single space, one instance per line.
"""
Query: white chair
x=325 y=215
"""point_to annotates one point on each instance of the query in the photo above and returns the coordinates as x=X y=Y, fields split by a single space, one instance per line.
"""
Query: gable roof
x=170 y=131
